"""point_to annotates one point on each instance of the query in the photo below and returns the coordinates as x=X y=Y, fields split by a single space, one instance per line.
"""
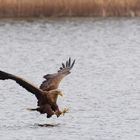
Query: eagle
x=48 y=91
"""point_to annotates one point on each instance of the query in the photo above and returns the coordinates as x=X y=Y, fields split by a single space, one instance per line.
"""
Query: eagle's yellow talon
x=65 y=110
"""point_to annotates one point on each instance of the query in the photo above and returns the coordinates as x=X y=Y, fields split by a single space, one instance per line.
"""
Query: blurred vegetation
x=36 y=8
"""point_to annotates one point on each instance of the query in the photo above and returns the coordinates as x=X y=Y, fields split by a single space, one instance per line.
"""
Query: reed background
x=36 y=8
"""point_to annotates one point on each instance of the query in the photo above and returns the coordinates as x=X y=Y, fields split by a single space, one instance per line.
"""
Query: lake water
x=102 y=92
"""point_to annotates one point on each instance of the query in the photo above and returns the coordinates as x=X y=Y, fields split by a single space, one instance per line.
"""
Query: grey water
x=102 y=92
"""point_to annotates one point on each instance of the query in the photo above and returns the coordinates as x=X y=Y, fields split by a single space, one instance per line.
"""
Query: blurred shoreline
x=69 y=8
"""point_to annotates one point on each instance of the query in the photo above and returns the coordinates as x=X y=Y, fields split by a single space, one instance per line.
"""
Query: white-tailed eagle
x=48 y=92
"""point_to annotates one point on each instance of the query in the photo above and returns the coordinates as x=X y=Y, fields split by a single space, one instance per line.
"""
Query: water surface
x=102 y=92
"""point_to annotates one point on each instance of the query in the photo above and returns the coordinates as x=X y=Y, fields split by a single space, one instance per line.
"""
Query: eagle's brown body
x=48 y=92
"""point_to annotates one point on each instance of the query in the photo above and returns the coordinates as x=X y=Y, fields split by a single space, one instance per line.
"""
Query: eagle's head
x=57 y=92
x=53 y=95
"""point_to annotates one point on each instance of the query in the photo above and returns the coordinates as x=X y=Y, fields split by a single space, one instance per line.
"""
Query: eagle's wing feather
x=29 y=87
x=52 y=80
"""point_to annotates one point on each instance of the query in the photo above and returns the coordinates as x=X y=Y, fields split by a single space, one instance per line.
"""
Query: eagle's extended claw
x=65 y=110
x=58 y=113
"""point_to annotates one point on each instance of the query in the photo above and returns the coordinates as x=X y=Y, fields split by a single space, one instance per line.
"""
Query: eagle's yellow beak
x=61 y=93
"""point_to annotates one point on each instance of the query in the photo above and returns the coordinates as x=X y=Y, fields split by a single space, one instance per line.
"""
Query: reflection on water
x=102 y=92
x=48 y=125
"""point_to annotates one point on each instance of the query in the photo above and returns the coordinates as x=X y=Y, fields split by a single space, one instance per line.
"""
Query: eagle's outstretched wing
x=29 y=87
x=52 y=80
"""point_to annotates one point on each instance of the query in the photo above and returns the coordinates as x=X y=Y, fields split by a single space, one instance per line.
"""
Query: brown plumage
x=48 y=92
x=52 y=80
